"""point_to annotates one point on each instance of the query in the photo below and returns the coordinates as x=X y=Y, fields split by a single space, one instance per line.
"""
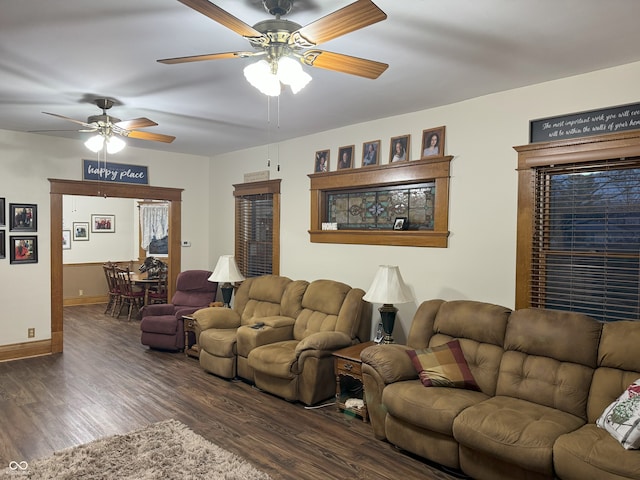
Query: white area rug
x=165 y=450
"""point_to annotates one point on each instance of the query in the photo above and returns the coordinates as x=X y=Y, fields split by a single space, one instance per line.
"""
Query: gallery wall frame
x=2 y=212
x=80 y=231
x=321 y=163
x=23 y=249
x=345 y=157
x=399 y=148
x=432 y=142
x=66 y=239
x=3 y=244
x=101 y=223
x=371 y=153
x=23 y=217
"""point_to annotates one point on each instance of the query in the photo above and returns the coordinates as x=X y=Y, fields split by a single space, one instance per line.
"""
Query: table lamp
x=226 y=273
x=388 y=288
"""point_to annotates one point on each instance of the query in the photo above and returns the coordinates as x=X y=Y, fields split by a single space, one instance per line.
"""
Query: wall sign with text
x=585 y=124
x=114 y=172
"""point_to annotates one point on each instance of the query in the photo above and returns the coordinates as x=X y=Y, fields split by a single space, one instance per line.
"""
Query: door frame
x=59 y=188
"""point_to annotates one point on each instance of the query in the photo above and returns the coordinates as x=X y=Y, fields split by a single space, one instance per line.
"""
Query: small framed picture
x=103 y=223
x=370 y=153
x=3 y=251
x=23 y=249
x=66 y=239
x=322 y=161
x=400 y=223
x=2 y=217
x=80 y=231
x=399 y=151
x=23 y=217
x=379 y=334
x=345 y=157
x=433 y=142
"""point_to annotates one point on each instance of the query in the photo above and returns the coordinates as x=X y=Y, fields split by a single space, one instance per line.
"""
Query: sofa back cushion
x=322 y=306
x=618 y=365
x=479 y=328
x=260 y=297
x=549 y=358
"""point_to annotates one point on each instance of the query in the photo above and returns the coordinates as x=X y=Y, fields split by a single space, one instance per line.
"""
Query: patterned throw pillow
x=622 y=418
x=443 y=366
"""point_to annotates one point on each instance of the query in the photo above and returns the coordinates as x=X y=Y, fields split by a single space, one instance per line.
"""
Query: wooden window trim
x=601 y=147
x=404 y=173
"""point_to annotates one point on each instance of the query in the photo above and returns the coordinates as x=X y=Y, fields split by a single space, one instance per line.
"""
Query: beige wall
x=480 y=133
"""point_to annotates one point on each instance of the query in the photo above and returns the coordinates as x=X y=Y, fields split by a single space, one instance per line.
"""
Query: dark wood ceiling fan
x=277 y=37
x=107 y=125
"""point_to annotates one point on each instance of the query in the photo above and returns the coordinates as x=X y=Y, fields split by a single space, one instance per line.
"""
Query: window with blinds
x=257 y=228
x=586 y=239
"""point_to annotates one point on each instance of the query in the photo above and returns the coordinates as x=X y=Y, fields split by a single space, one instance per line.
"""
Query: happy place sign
x=114 y=172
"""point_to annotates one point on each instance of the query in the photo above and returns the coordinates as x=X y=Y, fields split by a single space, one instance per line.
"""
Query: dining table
x=143 y=281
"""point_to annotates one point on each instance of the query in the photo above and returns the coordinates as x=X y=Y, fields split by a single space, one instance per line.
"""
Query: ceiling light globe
x=115 y=144
x=95 y=143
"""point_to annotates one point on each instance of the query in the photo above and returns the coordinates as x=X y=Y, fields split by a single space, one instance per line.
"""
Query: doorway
x=59 y=188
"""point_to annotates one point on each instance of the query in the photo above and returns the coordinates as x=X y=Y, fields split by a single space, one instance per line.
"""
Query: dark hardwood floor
x=107 y=383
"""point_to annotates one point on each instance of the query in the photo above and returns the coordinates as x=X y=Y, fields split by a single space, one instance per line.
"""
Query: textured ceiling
x=56 y=56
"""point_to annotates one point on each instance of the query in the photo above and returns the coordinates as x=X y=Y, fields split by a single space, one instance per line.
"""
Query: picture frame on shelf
x=345 y=157
x=401 y=223
x=23 y=217
x=2 y=213
x=3 y=244
x=80 y=231
x=23 y=249
x=66 y=239
x=101 y=223
x=371 y=153
x=321 y=164
x=432 y=142
x=399 y=149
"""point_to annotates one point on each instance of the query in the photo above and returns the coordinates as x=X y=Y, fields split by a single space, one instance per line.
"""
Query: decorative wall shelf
x=411 y=173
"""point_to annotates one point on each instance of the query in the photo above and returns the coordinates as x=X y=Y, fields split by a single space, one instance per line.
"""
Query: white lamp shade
x=226 y=270
x=95 y=143
x=260 y=76
x=388 y=287
x=114 y=144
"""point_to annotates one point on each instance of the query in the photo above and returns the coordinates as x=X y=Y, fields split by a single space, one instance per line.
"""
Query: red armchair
x=162 y=325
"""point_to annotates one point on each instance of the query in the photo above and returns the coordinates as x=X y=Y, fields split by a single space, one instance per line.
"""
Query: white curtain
x=154 y=223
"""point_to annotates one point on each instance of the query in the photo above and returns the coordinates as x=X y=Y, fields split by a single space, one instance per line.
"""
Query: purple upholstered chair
x=162 y=325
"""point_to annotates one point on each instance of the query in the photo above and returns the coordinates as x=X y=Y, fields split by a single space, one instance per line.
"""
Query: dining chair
x=112 y=284
x=129 y=296
x=159 y=294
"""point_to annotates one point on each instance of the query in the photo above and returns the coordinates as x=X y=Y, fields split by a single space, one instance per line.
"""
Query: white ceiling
x=55 y=56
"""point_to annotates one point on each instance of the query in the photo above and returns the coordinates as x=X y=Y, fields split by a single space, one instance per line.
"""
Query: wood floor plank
x=107 y=383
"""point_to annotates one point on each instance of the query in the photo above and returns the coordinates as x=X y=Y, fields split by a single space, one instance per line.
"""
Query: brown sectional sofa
x=300 y=324
x=544 y=377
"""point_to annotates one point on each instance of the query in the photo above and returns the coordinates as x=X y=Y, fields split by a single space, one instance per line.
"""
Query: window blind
x=586 y=239
x=254 y=234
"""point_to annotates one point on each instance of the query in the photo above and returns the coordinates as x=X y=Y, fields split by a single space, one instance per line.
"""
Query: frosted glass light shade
x=226 y=270
x=388 y=287
x=289 y=72
x=95 y=143
x=115 y=144
x=260 y=76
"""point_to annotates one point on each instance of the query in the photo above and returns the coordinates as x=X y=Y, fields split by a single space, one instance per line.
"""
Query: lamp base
x=388 y=317
x=227 y=292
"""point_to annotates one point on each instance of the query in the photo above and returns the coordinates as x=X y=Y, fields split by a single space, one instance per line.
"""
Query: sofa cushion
x=590 y=452
x=443 y=366
x=622 y=418
x=514 y=431
x=163 y=324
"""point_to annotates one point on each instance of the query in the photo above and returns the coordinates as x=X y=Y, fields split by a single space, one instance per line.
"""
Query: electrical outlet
x=186 y=243
x=81 y=292
x=31 y=332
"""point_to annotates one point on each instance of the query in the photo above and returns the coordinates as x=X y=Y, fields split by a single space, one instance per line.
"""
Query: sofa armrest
x=275 y=329
x=216 y=317
x=391 y=362
x=157 y=309
x=325 y=341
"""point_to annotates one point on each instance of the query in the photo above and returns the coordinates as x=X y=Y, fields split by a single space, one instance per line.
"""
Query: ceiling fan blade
x=222 y=17
x=353 y=17
x=136 y=123
x=156 y=137
x=344 y=63
x=84 y=124
x=211 y=56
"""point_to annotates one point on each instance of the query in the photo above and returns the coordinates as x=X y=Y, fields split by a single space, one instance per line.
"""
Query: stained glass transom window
x=365 y=209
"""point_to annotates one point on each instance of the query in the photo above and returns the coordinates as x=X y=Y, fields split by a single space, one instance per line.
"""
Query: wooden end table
x=348 y=365
x=191 y=348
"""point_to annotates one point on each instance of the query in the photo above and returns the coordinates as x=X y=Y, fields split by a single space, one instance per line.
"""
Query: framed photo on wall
x=322 y=161
x=23 y=249
x=399 y=150
x=66 y=239
x=370 y=153
x=3 y=245
x=23 y=217
x=433 y=142
x=345 y=157
x=80 y=231
x=103 y=223
x=2 y=217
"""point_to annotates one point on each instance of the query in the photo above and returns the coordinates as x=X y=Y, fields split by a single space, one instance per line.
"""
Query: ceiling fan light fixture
x=115 y=144
x=260 y=76
x=291 y=73
x=95 y=143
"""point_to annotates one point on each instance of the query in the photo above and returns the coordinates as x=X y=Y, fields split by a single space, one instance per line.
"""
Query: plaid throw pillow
x=443 y=366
